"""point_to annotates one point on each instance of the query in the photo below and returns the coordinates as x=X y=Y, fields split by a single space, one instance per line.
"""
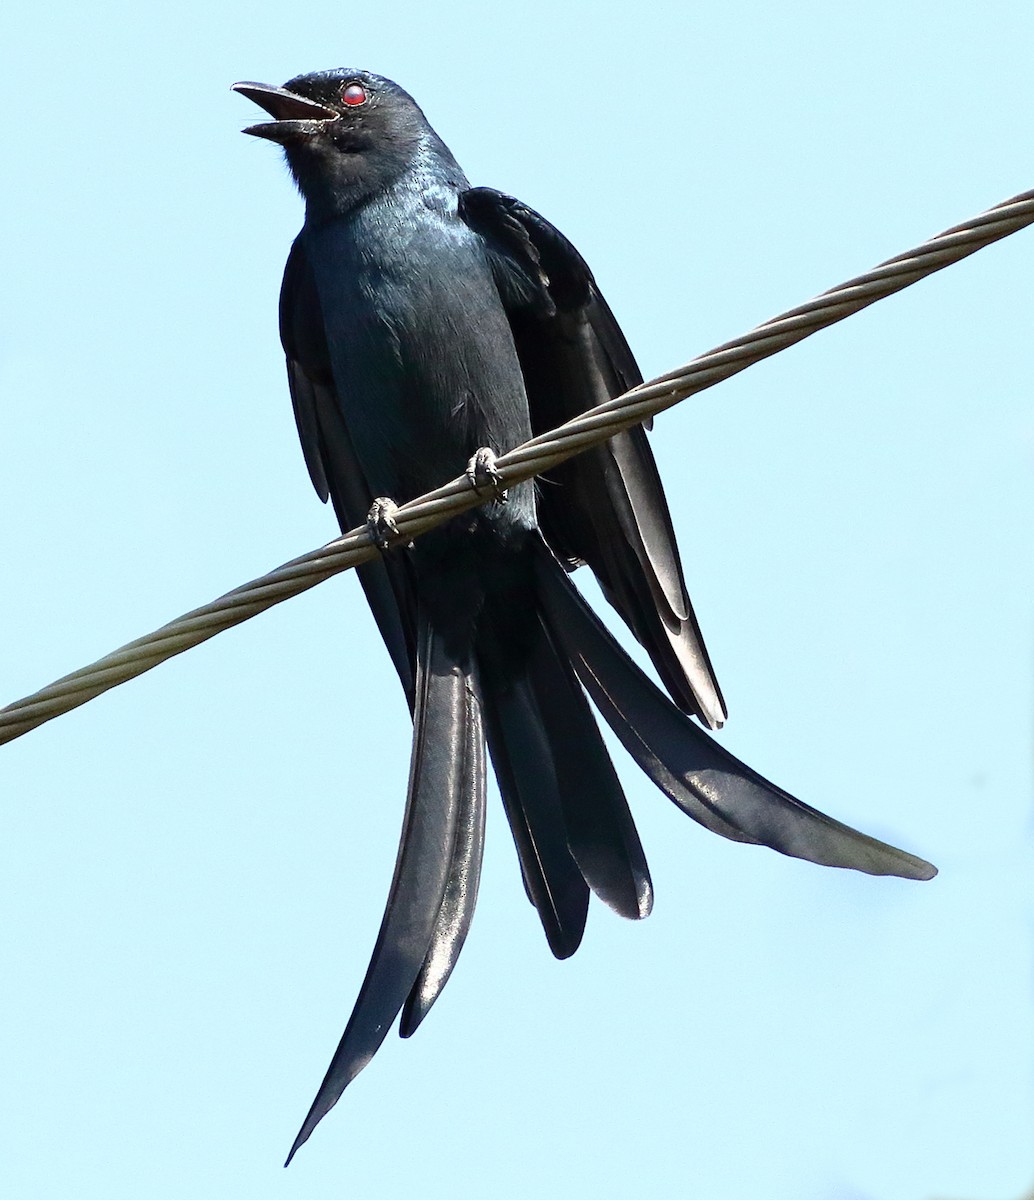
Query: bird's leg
x=483 y=476
x=380 y=521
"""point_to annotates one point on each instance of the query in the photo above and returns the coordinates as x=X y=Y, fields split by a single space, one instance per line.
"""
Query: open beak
x=294 y=115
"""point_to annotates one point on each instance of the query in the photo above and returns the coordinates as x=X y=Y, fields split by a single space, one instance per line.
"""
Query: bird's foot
x=380 y=521
x=483 y=476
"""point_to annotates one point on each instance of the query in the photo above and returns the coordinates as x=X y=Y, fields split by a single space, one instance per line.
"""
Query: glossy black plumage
x=422 y=320
x=608 y=509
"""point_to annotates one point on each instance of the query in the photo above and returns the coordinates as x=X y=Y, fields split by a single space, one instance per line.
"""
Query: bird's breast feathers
x=422 y=352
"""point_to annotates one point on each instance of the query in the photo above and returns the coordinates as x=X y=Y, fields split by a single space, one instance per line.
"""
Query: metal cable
x=531 y=458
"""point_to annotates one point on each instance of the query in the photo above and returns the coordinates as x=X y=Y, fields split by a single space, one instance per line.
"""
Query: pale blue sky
x=192 y=868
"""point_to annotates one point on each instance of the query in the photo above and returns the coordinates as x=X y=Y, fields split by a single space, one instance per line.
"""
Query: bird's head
x=346 y=133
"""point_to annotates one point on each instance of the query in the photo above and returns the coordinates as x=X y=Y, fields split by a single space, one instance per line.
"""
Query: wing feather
x=606 y=507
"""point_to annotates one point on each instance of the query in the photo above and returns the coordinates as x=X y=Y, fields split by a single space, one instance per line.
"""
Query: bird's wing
x=333 y=467
x=605 y=507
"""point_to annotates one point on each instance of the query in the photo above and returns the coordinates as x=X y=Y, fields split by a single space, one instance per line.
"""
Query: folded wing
x=605 y=507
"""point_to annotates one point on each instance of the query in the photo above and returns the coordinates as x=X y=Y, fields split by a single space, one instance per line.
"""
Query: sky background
x=193 y=867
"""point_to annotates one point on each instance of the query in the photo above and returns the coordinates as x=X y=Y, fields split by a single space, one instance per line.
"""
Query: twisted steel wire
x=533 y=457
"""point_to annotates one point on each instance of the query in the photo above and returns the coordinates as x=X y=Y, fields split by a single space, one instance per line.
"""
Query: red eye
x=354 y=94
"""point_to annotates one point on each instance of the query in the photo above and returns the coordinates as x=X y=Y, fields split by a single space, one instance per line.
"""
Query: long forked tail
x=435 y=884
x=704 y=780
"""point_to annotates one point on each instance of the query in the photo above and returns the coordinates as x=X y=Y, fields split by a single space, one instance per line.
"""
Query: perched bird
x=428 y=324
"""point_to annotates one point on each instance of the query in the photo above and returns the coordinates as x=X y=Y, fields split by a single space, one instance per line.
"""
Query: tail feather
x=704 y=780
x=566 y=807
x=524 y=768
x=457 y=908
x=424 y=924
x=601 y=834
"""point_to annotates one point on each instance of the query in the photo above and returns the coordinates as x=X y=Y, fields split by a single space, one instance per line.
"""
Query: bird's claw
x=483 y=476
x=380 y=521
